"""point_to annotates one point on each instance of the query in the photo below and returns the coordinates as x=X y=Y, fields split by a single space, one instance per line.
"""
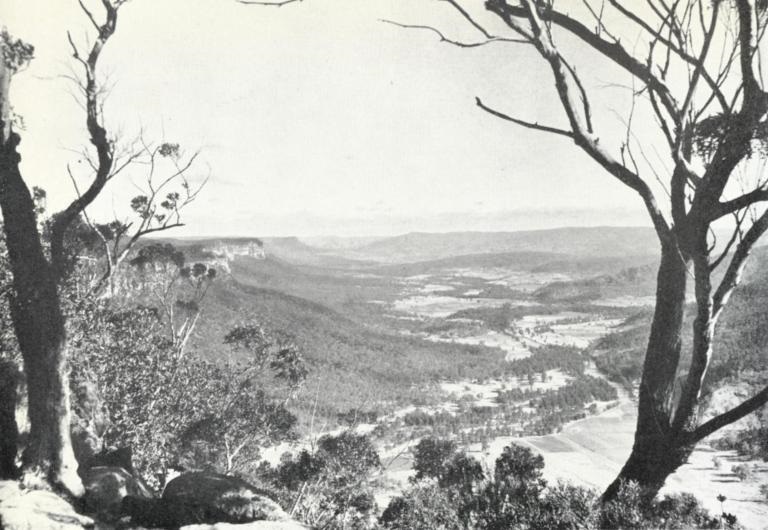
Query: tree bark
x=38 y=323
x=656 y=452
x=9 y=382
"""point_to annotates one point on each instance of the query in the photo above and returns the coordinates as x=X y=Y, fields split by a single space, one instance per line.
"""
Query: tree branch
x=98 y=135
x=523 y=123
x=589 y=142
x=613 y=51
x=469 y=19
x=732 y=276
x=743 y=201
x=731 y=241
x=735 y=143
x=582 y=91
x=697 y=63
x=736 y=413
x=445 y=39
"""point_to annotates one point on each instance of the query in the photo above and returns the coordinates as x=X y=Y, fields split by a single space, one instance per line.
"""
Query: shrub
x=332 y=487
x=169 y=407
x=630 y=510
x=423 y=507
x=519 y=464
x=430 y=456
x=742 y=471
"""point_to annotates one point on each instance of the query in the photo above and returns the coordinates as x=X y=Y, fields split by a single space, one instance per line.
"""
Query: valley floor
x=590 y=452
x=497 y=309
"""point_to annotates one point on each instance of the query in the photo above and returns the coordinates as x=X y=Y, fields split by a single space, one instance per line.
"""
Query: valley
x=484 y=349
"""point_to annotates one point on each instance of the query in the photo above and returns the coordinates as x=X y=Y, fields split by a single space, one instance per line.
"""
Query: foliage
x=515 y=496
x=549 y=357
x=332 y=486
x=566 y=507
x=679 y=511
x=15 y=53
x=518 y=465
x=430 y=456
x=625 y=510
x=742 y=471
x=160 y=254
x=171 y=407
x=369 y=366
x=711 y=130
x=423 y=506
x=461 y=473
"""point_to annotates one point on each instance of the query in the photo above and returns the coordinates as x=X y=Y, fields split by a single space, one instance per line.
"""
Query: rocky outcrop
x=106 y=487
x=204 y=498
x=37 y=510
x=220 y=254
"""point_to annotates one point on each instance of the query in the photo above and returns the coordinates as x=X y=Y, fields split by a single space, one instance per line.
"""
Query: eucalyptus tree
x=39 y=261
x=697 y=69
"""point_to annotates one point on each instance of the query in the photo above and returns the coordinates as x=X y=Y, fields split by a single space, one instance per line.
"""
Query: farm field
x=590 y=452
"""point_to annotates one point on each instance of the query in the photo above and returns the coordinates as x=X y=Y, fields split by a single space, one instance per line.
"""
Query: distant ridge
x=600 y=241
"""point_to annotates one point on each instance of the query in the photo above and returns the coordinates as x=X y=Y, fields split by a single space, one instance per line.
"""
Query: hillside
x=740 y=343
x=633 y=281
x=295 y=251
x=351 y=366
x=519 y=260
x=590 y=241
x=532 y=261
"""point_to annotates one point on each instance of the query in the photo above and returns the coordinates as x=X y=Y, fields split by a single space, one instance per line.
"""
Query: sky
x=318 y=118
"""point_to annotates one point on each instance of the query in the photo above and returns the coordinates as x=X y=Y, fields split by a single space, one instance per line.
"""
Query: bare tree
x=697 y=68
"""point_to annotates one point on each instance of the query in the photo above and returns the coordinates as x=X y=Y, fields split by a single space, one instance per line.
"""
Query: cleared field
x=590 y=452
x=436 y=306
x=513 y=347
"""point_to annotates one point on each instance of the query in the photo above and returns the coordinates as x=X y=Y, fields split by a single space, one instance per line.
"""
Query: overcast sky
x=318 y=118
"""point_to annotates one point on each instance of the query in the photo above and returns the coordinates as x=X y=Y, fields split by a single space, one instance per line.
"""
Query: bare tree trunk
x=9 y=382
x=38 y=323
x=656 y=452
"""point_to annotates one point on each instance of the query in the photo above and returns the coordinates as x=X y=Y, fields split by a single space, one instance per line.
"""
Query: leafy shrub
x=422 y=507
x=332 y=487
x=169 y=407
x=430 y=456
x=453 y=490
x=678 y=511
x=742 y=471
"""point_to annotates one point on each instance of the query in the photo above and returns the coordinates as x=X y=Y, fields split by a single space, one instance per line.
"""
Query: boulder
x=37 y=510
x=234 y=499
x=105 y=488
x=205 y=498
x=256 y=525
